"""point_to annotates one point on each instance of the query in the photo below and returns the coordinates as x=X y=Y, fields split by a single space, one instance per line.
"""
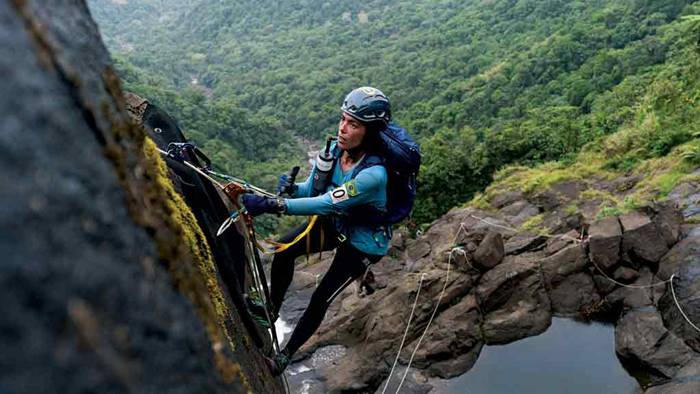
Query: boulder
x=519 y=212
x=641 y=241
x=452 y=343
x=686 y=196
x=559 y=242
x=625 y=275
x=603 y=284
x=546 y=200
x=668 y=221
x=522 y=243
x=397 y=244
x=686 y=285
x=681 y=251
x=558 y=222
x=573 y=294
x=418 y=249
x=625 y=298
x=686 y=381
x=513 y=301
x=680 y=386
x=506 y=198
x=569 y=190
x=640 y=337
x=567 y=261
x=605 y=238
x=490 y=251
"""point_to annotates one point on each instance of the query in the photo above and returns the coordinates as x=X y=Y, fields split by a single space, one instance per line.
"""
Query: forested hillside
x=482 y=84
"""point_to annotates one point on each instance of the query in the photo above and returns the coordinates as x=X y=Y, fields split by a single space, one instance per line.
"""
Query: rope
x=624 y=285
x=303 y=234
x=669 y=281
x=442 y=293
x=678 y=305
x=396 y=360
x=437 y=305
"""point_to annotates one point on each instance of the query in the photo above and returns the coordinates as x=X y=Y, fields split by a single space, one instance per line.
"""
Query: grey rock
x=569 y=260
x=560 y=222
x=397 y=244
x=547 y=200
x=569 y=190
x=686 y=285
x=514 y=302
x=641 y=241
x=668 y=221
x=573 y=294
x=624 y=183
x=559 y=242
x=625 y=275
x=507 y=198
x=686 y=248
x=627 y=298
x=490 y=251
x=640 y=336
x=452 y=345
x=680 y=386
x=418 y=249
x=603 y=284
x=605 y=237
x=524 y=243
x=519 y=212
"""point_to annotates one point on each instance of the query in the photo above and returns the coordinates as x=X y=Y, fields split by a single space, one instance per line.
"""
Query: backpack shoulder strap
x=367 y=162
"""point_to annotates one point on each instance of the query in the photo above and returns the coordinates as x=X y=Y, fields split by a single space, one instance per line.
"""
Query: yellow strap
x=279 y=247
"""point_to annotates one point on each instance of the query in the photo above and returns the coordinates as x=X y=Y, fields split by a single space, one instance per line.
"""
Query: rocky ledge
x=502 y=283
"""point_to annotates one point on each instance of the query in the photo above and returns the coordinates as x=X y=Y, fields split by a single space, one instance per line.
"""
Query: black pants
x=349 y=264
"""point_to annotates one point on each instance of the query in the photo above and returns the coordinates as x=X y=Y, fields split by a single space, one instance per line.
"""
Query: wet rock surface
x=640 y=336
x=537 y=278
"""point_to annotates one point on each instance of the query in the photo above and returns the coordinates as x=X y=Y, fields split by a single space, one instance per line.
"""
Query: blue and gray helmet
x=367 y=105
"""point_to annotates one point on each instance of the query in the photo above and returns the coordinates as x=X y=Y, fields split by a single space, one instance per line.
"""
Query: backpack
x=400 y=155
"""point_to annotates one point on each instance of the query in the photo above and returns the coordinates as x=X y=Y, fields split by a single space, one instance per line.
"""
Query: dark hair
x=372 y=142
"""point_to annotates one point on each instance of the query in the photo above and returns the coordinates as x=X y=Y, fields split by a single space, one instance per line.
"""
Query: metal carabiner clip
x=227 y=223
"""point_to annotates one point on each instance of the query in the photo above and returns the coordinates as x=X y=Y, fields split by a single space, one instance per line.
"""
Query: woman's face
x=350 y=132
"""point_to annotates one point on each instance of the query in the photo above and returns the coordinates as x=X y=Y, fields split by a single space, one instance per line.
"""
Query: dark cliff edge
x=107 y=283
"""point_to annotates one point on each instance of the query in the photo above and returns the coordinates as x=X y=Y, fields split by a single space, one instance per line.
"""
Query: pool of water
x=570 y=357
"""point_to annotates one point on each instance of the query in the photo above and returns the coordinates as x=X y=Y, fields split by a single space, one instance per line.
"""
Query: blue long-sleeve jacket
x=346 y=196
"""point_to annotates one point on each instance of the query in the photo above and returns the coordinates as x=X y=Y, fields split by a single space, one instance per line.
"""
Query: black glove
x=257 y=205
x=286 y=185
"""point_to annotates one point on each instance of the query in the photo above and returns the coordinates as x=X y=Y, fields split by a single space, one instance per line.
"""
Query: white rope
x=670 y=280
x=437 y=306
x=678 y=305
x=415 y=302
x=630 y=286
x=408 y=325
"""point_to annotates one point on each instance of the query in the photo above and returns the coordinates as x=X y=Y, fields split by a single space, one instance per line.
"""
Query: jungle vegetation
x=482 y=84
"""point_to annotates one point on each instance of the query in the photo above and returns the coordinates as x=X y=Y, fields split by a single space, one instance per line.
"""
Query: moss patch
x=154 y=205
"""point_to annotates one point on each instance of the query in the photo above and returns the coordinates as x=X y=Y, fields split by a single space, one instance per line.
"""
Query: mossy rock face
x=93 y=259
